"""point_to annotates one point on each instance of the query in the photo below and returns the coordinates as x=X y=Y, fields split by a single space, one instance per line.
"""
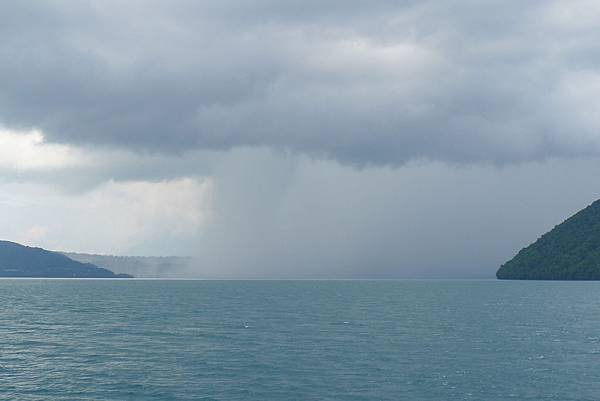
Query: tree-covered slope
x=570 y=251
x=22 y=261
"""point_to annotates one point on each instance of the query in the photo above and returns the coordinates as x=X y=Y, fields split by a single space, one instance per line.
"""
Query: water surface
x=299 y=340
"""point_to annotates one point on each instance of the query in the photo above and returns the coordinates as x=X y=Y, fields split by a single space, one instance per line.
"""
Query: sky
x=298 y=139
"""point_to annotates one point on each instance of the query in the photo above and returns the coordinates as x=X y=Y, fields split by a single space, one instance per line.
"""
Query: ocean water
x=299 y=340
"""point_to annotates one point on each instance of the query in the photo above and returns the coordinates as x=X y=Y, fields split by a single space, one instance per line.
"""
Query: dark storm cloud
x=361 y=82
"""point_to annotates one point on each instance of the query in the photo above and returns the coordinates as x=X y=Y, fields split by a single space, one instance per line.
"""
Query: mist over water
x=276 y=216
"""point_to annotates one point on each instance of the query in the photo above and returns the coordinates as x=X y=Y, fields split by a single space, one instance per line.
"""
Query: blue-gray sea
x=299 y=340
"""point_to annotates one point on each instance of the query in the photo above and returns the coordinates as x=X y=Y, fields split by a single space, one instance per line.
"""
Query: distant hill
x=22 y=261
x=570 y=251
x=140 y=266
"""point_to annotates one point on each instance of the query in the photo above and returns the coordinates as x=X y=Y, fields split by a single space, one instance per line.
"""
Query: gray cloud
x=366 y=83
x=340 y=138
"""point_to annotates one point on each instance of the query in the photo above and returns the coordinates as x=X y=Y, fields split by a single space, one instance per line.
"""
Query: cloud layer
x=300 y=138
x=366 y=83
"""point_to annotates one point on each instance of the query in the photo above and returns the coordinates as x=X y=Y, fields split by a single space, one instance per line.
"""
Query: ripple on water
x=285 y=340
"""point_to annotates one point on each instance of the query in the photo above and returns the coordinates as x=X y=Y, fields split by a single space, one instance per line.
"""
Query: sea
x=299 y=340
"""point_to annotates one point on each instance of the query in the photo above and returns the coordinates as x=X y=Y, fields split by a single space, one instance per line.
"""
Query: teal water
x=299 y=340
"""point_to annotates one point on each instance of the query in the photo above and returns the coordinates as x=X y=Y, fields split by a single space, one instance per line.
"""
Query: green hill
x=22 y=261
x=570 y=251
